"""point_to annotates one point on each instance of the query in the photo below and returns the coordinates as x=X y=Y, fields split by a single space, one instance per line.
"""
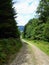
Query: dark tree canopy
x=43 y=10
x=8 y=26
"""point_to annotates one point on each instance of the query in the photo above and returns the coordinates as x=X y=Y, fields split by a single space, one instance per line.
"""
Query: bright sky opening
x=26 y=10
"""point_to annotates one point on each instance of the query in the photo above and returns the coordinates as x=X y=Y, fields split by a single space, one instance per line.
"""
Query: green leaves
x=46 y=30
x=39 y=28
x=43 y=10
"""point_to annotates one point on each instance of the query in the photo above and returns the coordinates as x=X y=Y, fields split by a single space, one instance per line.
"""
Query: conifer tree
x=8 y=26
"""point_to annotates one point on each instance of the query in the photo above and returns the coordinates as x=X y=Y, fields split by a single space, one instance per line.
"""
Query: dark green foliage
x=46 y=30
x=34 y=30
x=39 y=28
x=8 y=26
x=9 y=35
x=8 y=47
x=43 y=10
x=29 y=27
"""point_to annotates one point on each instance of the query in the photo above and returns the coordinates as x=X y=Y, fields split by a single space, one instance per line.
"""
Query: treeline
x=9 y=35
x=38 y=28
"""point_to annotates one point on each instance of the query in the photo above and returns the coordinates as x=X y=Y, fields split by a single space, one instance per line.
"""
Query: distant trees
x=38 y=28
x=8 y=26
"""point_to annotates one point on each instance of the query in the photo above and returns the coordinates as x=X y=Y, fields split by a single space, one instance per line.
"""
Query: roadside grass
x=43 y=45
x=8 y=48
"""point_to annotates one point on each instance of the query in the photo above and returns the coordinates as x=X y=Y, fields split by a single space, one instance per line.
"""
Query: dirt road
x=24 y=57
x=30 y=56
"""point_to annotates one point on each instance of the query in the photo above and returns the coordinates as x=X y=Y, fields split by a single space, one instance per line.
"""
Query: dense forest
x=9 y=35
x=38 y=28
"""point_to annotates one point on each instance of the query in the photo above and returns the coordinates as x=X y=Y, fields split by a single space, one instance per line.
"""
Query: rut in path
x=24 y=57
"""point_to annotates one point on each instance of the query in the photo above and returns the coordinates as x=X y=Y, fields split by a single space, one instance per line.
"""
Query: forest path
x=30 y=55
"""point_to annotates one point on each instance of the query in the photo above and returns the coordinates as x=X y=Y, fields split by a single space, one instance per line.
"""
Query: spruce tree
x=8 y=26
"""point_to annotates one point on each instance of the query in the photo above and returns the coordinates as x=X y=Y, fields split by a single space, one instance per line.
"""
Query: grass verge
x=43 y=45
x=8 y=48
